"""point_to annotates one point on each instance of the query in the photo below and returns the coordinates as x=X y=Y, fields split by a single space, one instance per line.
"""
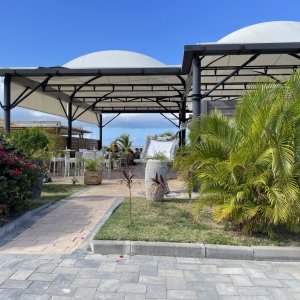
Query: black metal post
x=180 y=132
x=183 y=121
x=100 y=132
x=70 y=120
x=7 y=103
x=196 y=92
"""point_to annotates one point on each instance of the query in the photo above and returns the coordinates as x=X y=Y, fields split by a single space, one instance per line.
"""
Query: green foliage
x=123 y=142
x=159 y=156
x=249 y=165
x=17 y=175
x=31 y=141
x=93 y=164
x=166 y=133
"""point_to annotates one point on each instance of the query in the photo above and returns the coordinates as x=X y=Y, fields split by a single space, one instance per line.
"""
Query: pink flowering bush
x=17 y=175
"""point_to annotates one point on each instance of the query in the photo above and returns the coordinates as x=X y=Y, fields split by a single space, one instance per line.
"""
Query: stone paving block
x=135 y=297
x=193 y=275
x=86 y=273
x=108 y=275
x=226 y=289
x=132 y=288
x=165 y=259
x=253 y=291
x=188 y=260
x=149 y=270
x=110 y=296
x=33 y=297
x=85 y=293
x=89 y=283
x=128 y=268
x=241 y=280
x=151 y=280
x=174 y=283
x=279 y=275
x=182 y=266
x=107 y=267
x=255 y=273
x=11 y=294
x=267 y=282
x=168 y=249
x=68 y=262
x=199 y=285
x=37 y=287
x=7 y=271
x=130 y=277
x=62 y=281
x=209 y=269
x=42 y=276
x=294 y=285
x=108 y=286
x=87 y=263
x=47 y=268
x=21 y=274
x=212 y=295
x=66 y=270
x=181 y=294
x=156 y=291
x=279 y=294
x=216 y=278
x=231 y=271
x=170 y=273
x=16 y=284
x=66 y=292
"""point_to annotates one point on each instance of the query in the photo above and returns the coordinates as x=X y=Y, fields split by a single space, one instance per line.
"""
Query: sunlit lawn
x=175 y=223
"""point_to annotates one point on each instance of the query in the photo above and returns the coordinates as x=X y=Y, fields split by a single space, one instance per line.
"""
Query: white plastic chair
x=69 y=162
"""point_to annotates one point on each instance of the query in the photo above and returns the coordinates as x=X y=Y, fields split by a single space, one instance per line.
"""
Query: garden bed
x=174 y=223
x=51 y=193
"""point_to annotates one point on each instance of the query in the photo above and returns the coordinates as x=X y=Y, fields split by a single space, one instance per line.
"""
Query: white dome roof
x=267 y=32
x=114 y=59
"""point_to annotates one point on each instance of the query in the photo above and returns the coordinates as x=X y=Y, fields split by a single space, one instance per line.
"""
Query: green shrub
x=249 y=165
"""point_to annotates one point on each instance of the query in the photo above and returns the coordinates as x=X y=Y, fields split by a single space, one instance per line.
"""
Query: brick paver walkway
x=144 y=277
x=64 y=226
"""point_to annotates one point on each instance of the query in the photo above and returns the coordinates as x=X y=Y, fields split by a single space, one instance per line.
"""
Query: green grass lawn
x=174 y=223
x=51 y=193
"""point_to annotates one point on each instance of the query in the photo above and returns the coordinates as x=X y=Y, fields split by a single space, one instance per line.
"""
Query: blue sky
x=52 y=32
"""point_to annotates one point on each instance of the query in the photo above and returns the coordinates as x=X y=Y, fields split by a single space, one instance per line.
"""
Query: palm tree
x=123 y=141
x=249 y=165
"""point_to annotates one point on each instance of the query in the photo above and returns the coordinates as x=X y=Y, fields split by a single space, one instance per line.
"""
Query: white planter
x=154 y=167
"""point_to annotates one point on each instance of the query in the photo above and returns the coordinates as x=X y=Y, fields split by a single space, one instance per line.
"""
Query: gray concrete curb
x=195 y=250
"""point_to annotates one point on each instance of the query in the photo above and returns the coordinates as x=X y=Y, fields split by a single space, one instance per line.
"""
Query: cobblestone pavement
x=84 y=276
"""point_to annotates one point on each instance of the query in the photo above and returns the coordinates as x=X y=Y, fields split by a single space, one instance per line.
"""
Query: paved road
x=82 y=276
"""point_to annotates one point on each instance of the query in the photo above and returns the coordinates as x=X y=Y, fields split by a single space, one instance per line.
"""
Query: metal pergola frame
x=107 y=98
x=232 y=79
x=207 y=86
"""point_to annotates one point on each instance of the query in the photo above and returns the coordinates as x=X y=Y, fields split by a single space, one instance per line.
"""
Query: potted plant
x=157 y=191
x=158 y=164
x=93 y=171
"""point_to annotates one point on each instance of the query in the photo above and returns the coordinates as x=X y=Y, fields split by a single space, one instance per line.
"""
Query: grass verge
x=174 y=223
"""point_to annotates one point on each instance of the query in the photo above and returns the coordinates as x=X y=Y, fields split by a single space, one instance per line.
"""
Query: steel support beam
x=100 y=126
x=183 y=121
x=70 y=120
x=196 y=92
x=7 y=103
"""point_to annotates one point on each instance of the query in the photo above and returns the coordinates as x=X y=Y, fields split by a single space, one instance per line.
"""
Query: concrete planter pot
x=92 y=177
x=154 y=167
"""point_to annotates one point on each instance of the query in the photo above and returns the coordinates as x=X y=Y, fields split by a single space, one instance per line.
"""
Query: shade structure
x=265 y=52
x=102 y=82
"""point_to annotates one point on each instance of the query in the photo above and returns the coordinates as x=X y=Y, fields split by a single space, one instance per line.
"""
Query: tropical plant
x=128 y=182
x=249 y=165
x=123 y=142
x=93 y=164
x=159 y=186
